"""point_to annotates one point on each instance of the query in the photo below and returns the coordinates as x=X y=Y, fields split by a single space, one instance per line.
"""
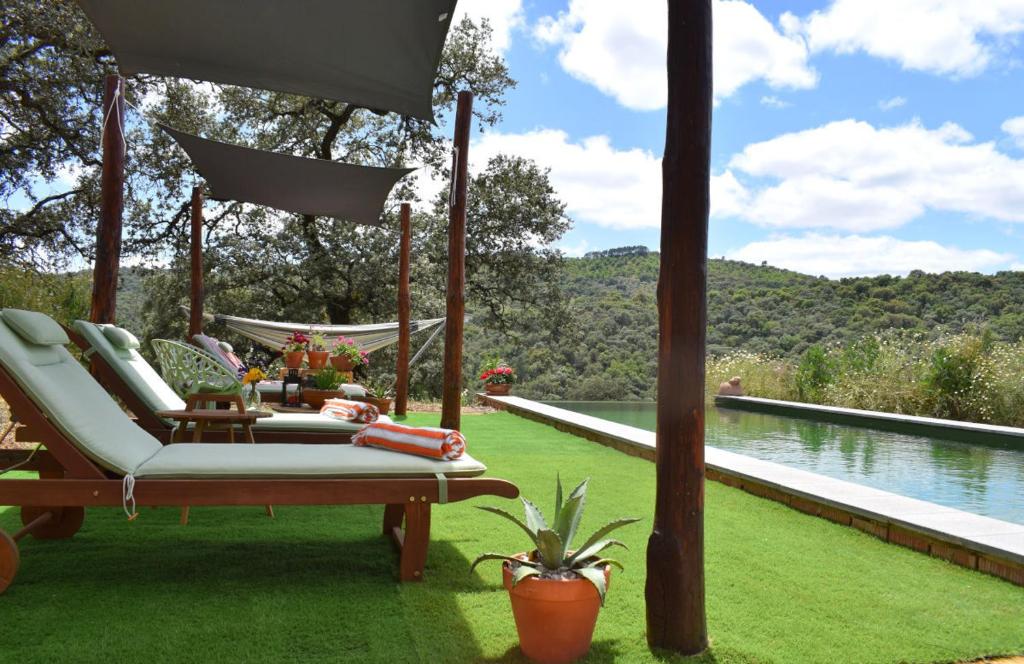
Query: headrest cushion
x=36 y=328
x=120 y=338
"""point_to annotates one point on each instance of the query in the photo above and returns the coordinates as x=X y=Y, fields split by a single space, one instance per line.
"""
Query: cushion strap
x=88 y=353
x=442 y=488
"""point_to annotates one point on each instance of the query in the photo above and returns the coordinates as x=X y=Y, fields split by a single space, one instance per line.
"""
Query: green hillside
x=753 y=308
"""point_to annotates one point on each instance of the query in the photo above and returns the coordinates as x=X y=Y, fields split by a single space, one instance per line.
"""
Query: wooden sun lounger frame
x=163 y=431
x=53 y=506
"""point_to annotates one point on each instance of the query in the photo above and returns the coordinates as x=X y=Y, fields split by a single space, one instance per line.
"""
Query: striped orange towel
x=350 y=411
x=444 y=444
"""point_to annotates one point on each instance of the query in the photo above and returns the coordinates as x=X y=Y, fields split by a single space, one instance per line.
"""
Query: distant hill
x=751 y=307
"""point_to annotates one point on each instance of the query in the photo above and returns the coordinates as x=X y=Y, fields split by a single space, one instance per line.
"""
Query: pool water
x=975 y=478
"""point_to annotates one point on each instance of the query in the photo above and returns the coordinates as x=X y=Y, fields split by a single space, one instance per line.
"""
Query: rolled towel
x=350 y=411
x=444 y=444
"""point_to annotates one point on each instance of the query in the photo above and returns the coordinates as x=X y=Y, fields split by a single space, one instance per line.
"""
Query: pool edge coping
x=755 y=477
x=968 y=432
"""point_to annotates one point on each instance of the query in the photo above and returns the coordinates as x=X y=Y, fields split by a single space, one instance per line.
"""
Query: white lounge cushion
x=134 y=370
x=36 y=328
x=308 y=422
x=76 y=403
x=283 y=461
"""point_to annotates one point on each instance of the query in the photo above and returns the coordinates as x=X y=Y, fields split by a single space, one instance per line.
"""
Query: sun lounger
x=127 y=375
x=96 y=456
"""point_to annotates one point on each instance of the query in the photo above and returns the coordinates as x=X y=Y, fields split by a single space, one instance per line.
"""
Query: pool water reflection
x=981 y=479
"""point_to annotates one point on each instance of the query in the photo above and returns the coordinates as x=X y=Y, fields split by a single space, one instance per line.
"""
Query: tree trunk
x=675 y=551
x=404 y=314
x=108 y=233
x=451 y=395
x=195 y=318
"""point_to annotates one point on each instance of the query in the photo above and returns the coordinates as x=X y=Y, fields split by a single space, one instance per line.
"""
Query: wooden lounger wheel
x=63 y=523
x=9 y=560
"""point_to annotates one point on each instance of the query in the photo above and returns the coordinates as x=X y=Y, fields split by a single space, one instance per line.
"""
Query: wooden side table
x=203 y=418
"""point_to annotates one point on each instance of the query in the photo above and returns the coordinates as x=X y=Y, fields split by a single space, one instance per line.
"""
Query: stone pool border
x=932 y=427
x=981 y=543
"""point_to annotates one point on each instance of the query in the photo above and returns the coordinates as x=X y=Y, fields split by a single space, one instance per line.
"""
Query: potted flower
x=379 y=393
x=294 y=349
x=316 y=352
x=346 y=355
x=497 y=376
x=557 y=591
x=326 y=385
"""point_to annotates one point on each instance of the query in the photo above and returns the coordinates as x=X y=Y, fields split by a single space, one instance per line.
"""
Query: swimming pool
x=985 y=479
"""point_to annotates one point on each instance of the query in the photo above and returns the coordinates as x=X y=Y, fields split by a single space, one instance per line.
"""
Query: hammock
x=367 y=337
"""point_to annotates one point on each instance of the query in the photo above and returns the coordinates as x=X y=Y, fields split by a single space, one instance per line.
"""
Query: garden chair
x=117 y=363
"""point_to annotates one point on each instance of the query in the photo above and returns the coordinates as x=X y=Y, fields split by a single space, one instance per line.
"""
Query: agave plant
x=552 y=555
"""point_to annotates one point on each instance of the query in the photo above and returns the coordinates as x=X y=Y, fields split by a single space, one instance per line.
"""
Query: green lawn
x=318 y=583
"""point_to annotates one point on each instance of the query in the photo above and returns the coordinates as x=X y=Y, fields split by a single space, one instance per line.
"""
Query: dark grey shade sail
x=293 y=184
x=378 y=54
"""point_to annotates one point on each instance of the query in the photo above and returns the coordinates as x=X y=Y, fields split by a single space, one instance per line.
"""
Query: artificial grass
x=318 y=583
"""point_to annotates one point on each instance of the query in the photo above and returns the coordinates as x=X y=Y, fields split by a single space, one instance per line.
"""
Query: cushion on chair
x=36 y=328
x=120 y=338
x=138 y=374
x=283 y=461
x=71 y=399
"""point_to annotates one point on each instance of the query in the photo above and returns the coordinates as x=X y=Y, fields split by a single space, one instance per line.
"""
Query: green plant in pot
x=326 y=385
x=379 y=392
x=316 y=352
x=556 y=590
x=497 y=376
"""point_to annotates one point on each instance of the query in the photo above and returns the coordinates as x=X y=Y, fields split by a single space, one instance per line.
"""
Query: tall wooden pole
x=675 y=551
x=404 y=313
x=108 y=232
x=451 y=394
x=195 y=311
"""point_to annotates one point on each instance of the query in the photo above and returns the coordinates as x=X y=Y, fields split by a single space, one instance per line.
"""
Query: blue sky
x=850 y=136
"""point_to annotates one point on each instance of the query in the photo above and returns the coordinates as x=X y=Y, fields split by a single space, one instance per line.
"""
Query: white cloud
x=951 y=37
x=774 y=102
x=505 y=16
x=1015 y=128
x=856 y=255
x=599 y=183
x=574 y=251
x=620 y=49
x=853 y=176
x=889 y=104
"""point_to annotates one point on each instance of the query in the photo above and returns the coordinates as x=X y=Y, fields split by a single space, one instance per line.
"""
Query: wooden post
x=404 y=313
x=675 y=551
x=108 y=232
x=451 y=395
x=195 y=316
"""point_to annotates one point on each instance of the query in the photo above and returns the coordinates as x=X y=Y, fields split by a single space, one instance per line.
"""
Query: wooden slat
x=228 y=492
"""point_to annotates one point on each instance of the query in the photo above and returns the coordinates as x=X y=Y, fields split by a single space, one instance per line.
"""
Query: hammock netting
x=368 y=337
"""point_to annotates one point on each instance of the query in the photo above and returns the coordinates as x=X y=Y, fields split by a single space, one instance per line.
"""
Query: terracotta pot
x=315 y=398
x=383 y=405
x=341 y=362
x=317 y=359
x=555 y=618
x=497 y=389
x=293 y=359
